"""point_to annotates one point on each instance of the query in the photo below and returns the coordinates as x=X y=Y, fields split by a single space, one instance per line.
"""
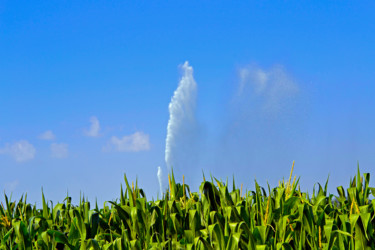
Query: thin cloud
x=274 y=86
x=48 y=136
x=59 y=150
x=11 y=186
x=20 y=151
x=136 y=142
x=93 y=131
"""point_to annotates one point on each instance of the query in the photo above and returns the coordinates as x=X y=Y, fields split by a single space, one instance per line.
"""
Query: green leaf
x=60 y=237
x=217 y=236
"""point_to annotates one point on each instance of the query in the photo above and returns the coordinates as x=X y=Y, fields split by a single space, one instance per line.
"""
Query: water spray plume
x=159 y=174
x=181 y=113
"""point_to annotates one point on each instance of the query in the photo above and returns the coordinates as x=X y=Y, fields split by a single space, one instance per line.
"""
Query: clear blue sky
x=62 y=63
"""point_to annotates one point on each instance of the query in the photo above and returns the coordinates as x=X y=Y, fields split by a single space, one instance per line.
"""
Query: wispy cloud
x=93 y=131
x=20 y=151
x=273 y=85
x=11 y=186
x=59 y=150
x=48 y=135
x=136 y=142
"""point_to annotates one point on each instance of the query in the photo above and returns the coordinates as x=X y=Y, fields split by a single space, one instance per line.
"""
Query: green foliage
x=213 y=218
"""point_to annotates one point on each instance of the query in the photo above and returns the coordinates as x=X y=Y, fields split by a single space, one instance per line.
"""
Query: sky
x=86 y=93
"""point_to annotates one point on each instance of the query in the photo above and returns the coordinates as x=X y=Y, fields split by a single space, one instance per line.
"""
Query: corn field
x=216 y=217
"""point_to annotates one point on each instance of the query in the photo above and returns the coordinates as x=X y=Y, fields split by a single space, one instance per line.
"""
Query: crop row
x=216 y=217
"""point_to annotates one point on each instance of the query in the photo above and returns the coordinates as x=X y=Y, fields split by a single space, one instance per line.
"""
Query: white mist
x=181 y=114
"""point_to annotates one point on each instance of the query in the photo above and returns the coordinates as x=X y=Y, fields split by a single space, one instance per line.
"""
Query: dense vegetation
x=215 y=218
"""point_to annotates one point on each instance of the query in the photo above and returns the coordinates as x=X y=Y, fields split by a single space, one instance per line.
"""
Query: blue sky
x=276 y=82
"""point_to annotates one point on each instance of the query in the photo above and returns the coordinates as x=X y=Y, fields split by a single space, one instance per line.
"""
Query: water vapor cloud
x=274 y=86
x=48 y=136
x=11 y=186
x=136 y=142
x=59 y=150
x=266 y=112
x=93 y=131
x=20 y=151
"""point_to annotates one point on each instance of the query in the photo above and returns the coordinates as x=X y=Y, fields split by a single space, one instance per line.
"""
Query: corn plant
x=215 y=217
